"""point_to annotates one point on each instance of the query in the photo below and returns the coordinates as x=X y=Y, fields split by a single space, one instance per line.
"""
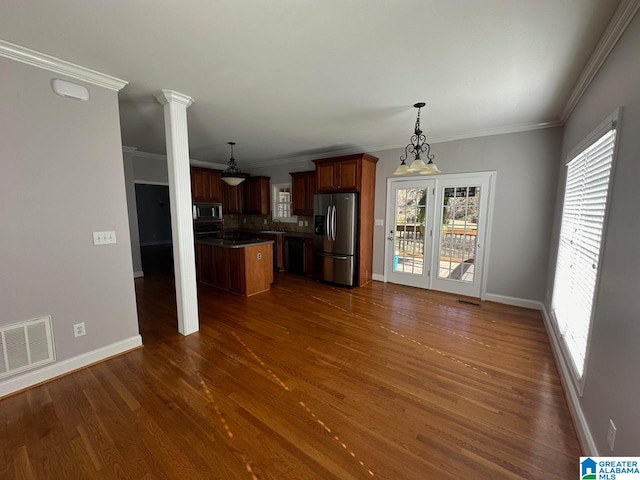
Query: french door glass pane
x=411 y=208
x=458 y=233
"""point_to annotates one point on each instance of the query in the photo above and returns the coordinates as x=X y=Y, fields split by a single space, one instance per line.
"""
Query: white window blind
x=583 y=216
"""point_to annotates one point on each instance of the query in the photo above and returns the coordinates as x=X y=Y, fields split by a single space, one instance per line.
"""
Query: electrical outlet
x=301 y=223
x=259 y=256
x=79 y=330
x=104 y=238
x=264 y=221
x=306 y=223
x=611 y=434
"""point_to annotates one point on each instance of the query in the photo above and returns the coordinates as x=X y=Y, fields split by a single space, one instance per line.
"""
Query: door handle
x=328 y=223
x=390 y=239
x=333 y=219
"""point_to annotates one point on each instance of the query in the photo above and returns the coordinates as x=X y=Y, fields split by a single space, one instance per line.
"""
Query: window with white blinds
x=581 y=232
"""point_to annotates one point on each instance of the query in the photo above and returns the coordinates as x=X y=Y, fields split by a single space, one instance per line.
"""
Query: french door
x=437 y=232
x=409 y=253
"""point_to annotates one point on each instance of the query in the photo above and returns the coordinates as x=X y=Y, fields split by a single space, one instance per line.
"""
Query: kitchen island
x=244 y=267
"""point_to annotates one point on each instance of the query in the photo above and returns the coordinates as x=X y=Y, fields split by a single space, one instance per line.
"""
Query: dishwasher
x=294 y=257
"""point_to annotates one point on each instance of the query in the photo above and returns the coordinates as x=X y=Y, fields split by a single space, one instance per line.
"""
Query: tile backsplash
x=257 y=222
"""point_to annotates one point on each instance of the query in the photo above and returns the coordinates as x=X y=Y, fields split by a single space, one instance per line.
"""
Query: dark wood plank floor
x=307 y=381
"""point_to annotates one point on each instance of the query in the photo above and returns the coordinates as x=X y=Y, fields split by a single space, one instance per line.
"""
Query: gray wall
x=280 y=173
x=612 y=385
x=151 y=170
x=526 y=166
x=525 y=163
x=62 y=179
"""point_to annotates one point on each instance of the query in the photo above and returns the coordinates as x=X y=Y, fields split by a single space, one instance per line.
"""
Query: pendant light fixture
x=416 y=147
x=232 y=175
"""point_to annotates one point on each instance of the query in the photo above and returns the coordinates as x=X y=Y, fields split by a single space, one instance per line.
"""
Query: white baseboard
x=377 y=277
x=515 y=301
x=575 y=409
x=63 y=367
x=138 y=274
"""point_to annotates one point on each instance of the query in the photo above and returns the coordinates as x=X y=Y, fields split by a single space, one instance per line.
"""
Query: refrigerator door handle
x=333 y=221
x=328 y=223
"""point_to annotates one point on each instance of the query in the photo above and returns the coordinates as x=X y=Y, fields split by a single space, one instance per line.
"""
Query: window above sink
x=282 y=203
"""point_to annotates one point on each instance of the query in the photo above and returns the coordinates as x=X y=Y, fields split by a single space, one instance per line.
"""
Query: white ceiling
x=289 y=78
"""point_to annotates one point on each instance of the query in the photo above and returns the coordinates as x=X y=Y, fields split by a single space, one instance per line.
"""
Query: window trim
x=275 y=188
x=612 y=121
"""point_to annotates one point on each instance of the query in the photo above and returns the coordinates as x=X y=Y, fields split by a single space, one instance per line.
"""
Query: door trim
x=491 y=177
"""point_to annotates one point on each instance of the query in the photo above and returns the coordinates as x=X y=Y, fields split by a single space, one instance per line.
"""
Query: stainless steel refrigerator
x=335 y=239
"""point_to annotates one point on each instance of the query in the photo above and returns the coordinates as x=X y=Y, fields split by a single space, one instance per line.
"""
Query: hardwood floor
x=306 y=381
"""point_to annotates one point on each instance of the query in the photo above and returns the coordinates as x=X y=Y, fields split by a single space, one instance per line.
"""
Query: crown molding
x=432 y=140
x=171 y=96
x=618 y=24
x=53 y=64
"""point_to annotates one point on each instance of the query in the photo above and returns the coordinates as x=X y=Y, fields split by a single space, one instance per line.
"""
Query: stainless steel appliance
x=207 y=212
x=335 y=237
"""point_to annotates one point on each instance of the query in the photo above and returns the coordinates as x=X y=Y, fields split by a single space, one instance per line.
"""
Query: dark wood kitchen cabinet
x=206 y=185
x=244 y=270
x=354 y=173
x=278 y=249
x=338 y=175
x=257 y=198
x=232 y=198
x=303 y=187
x=308 y=256
x=204 y=255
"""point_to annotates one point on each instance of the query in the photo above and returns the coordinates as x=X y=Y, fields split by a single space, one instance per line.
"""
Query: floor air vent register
x=25 y=345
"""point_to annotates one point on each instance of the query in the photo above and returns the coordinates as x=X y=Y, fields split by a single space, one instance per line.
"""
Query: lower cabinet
x=236 y=259
x=278 y=249
x=308 y=256
x=246 y=271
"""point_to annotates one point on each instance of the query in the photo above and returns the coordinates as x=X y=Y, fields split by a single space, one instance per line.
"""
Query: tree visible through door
x=458 y=235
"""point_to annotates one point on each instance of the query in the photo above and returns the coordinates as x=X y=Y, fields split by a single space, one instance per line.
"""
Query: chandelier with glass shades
x=416 y=147
x=233 y=176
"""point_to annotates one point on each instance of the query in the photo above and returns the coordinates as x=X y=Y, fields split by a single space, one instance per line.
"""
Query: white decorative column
x=184 y=260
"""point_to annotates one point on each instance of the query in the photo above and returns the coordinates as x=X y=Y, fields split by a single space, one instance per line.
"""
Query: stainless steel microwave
x=207 y=212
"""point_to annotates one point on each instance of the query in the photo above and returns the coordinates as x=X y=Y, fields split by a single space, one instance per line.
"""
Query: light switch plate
x=379 y=222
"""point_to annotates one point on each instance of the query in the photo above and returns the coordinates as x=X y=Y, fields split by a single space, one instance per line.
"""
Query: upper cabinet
x=339 y=174
x=303 y=186
x=257 y=198
x=206 y=185
x=232 y=198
